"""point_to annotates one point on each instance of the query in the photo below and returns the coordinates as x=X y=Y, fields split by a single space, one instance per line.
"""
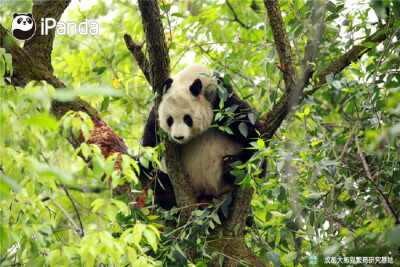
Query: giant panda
x=186 y=113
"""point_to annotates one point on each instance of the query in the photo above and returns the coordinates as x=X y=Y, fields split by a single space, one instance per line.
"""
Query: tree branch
x=159 y=71
x=274 y=118
x=282 y=43
x=236 y=18
x=344 y=60
x=40 y=46
x=136 y=50
x=155 y=44
x=74 y=225
x=76 y=211
x=385 y=200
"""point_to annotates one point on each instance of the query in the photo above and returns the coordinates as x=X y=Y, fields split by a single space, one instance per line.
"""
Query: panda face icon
x=23 y=26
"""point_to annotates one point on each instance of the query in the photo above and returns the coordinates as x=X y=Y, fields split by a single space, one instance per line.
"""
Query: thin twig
x=75 y=226
x=169 y=25
x=236 y=17
x=76 y=211
x=385 y=201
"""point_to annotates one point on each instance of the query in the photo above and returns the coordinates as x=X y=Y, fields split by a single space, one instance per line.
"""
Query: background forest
x=332 y=188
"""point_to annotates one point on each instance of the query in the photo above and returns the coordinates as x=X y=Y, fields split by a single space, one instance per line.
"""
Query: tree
x=309 y=178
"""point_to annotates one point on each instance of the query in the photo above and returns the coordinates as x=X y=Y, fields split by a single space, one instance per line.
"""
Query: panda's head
x=185 y=111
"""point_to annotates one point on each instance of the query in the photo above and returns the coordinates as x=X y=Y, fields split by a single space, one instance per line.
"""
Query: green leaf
x=6 y=180
x=8 y=58
x=221 y=260
x=393 y=236
x=2 y=67
x=176 y=14
x=236 y=229
x=252 y=118
x=216 y=218
x=105 y=103
x=329 y=78
x=228 y=130
x=60 y=175
x=151 y=239
x=331 y=250
x=291 y=256
x=275 y=257
x=43 y=120
x=99 y=70
x=370 y=44
x=132 y=254
x=271 y=53
x=112 y=212
x=243 y=129
x=337 y=84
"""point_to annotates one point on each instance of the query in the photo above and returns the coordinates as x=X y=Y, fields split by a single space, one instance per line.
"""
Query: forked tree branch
x=66 y=214
x=236 y=18
x=282 y=43
x=355 y=53
x=136 y=50
x=274 y=118
x=384 y=200
x=44 y=43
x=232 y=244
x=159 y=70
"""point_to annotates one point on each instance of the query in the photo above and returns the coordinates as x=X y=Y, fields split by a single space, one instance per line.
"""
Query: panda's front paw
x=227 y=161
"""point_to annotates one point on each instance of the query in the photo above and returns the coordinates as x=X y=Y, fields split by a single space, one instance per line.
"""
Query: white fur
x=202 y=158
x=178 y=101
x=184 y=79
x=203 y=148
x=21 y=26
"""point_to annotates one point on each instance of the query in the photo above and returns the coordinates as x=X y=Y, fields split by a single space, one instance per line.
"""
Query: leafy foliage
x=333 y=166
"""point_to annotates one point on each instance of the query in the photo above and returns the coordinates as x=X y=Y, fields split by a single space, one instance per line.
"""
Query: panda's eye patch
x=188 y=120
x=29 y=21
x=19 y=20
x=170 y=121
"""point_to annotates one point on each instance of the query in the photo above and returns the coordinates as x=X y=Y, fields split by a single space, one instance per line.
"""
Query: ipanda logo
x=23 y=26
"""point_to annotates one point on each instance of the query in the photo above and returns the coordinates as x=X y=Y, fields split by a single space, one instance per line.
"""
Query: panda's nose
x=178 y=137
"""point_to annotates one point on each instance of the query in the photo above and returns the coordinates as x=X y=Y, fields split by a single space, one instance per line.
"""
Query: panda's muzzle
x=179 y=137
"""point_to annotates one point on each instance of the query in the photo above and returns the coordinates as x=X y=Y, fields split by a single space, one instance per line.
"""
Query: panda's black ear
x=195 y=88
x=30 y=15
x=15 y=14
x=167 y=84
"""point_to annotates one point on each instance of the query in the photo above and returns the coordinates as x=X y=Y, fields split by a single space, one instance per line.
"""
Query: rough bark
x=158 y=66
x=273 y=119
x=355 y=53
x=159 y=71
x=282 y=43
x=44 y=43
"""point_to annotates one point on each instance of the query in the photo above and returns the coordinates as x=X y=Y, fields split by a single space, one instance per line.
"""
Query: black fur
x=167 y=84
x=164 y=198
x=150 y=137
x=195 y=88
x=242 y=109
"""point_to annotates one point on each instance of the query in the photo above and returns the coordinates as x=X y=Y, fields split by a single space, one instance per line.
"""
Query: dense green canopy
x=332 y=187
